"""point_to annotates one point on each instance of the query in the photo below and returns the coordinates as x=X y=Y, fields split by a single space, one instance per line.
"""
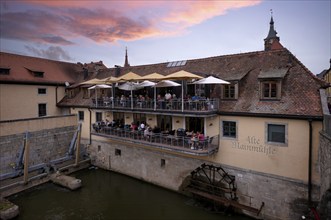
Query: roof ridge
x=320 y=81
x=211 y=57
x=238 y=54
x=39 y=58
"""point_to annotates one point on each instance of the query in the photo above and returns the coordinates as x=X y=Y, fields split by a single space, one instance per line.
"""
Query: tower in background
x=126 y=62
x=271 y=42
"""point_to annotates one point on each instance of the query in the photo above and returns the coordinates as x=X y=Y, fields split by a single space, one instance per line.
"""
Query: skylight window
x=38 y=74
x=177 y=63
x=4 y=71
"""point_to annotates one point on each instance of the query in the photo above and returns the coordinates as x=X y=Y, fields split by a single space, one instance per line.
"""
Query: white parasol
x=100 y=86
x=211 y=80
x=166 y=83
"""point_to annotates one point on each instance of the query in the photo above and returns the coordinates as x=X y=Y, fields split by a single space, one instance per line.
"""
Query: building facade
x=262 y=128
x=31 y=87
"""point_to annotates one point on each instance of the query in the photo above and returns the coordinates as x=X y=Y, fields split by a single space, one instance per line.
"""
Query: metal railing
x=171 y=105
x=184 y=144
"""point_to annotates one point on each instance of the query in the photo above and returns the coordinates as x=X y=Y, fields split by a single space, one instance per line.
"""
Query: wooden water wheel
x=214 y=184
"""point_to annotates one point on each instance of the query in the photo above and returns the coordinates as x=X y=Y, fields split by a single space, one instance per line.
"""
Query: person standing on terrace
x=167 y=96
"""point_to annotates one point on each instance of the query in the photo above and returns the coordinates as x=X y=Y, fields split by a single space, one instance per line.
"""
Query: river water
x=109 y=195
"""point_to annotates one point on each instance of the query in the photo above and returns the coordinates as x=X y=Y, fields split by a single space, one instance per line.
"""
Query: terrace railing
x=205 y=105
x=182 y=144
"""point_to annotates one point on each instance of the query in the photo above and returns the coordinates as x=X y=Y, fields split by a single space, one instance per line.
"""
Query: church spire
x=272 y=38
x=126 y=63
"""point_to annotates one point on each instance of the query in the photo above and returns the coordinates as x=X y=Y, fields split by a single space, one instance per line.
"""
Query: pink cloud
x=195 y=12
x=60 y=22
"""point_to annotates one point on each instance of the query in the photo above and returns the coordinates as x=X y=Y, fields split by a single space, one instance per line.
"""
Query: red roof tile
x=22 y=67
x=300 y=88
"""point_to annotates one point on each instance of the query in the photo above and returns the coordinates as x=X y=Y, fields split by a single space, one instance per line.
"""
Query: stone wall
x=325 y=166
x=284 y=198
x=45 y=145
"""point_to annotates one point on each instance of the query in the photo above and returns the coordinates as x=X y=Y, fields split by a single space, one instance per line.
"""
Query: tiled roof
x=299 y=87
x=22 y=68
x=299 y=93
x=273 y=74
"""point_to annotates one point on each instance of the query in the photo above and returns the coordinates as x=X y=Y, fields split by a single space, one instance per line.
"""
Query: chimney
x=117 y=70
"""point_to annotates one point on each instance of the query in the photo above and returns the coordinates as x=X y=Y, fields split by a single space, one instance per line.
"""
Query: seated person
x=147 y=132
x=200 y=136
x=167 y=96
x=193 y=141
x=141 y=126
x=134 y=126
x=189 y=134
x=195 y=98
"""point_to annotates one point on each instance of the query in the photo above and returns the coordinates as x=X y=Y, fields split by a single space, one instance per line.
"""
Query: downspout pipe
x=57 y=86
x=90 y=125
x=310 y=161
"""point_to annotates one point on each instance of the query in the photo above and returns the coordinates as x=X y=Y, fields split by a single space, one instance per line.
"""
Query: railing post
x=78 y=144
x=26 y=158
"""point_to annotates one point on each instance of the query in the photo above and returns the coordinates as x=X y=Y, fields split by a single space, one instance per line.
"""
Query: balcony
x=163 y=141
x=201 y=105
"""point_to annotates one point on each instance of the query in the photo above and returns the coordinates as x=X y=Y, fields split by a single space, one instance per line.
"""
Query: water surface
x=109 y=195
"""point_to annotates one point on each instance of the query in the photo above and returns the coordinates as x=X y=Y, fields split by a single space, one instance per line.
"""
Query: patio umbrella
x=154 y=77
x=92 y=81
x=166 y=83
x=101 y=86
x=147 y=83
x=110 y=79
x=182 y=75
x=130 y=76
x=130 y=86
x=211 y=80
x=163 y=83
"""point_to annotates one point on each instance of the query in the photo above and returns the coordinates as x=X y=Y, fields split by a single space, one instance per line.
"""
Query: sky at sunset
x=163 y=31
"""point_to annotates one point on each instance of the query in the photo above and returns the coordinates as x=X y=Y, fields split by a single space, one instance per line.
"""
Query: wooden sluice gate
x=213 y=184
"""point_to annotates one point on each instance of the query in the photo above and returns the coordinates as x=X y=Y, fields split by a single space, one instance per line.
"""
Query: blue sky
x=163 y=31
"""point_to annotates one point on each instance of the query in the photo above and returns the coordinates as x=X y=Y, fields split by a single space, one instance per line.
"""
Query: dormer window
x=4 y=71
x=86 y=93
x=269 y=89
x=271 y=83
x=230 y=91
x=38 y=74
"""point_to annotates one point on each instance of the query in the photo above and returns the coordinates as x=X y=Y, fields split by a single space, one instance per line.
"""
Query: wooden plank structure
x=214 y=184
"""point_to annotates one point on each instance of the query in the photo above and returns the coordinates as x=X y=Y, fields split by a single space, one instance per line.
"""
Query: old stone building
x=263 y=128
